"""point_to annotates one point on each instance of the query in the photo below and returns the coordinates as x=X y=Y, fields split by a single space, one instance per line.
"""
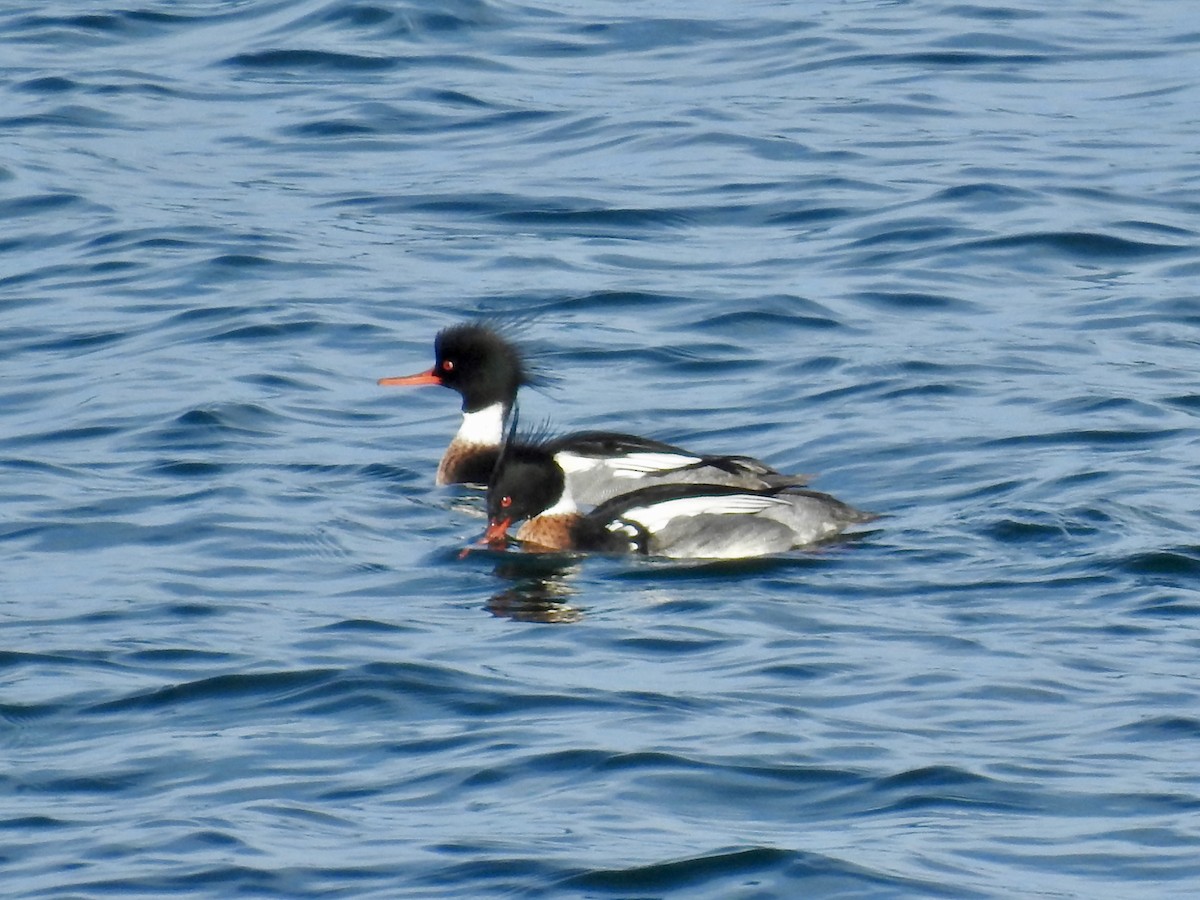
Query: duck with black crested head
x=679 y=520
x=488 y=369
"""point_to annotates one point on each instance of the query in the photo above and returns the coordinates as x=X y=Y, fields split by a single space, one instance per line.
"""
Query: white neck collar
x=484 y=427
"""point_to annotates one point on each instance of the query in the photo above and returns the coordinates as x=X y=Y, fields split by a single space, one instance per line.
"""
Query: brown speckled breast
x=466 y=464
x=547 y=533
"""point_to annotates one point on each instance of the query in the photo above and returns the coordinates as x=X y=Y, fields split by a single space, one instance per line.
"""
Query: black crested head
x=526 y=483
x=481 y=364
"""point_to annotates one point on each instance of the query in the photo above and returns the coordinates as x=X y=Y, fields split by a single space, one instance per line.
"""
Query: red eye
x=505 y=501
x=447 y=365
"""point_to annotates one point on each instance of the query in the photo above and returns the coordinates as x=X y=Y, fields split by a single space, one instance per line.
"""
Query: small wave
x=309 y=60
x=38 y=204
x=773 y=871
x=89 y=29
x=1167 y=563
x=209 y=426
x=1157 y=728
x=269 y=688
x=1079 y=245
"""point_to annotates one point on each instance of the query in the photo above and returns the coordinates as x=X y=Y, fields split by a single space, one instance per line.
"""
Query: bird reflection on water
x=541 y=586
x=540 y=589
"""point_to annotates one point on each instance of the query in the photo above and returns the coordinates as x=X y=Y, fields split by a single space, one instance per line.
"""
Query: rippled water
x=942 y=256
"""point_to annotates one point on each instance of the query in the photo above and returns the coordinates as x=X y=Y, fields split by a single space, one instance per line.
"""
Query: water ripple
x=939 y=259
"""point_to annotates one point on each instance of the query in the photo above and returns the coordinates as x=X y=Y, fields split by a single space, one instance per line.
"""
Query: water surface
x=942 y=256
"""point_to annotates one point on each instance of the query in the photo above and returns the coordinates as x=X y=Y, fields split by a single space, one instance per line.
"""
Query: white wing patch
x=655 y=516
x=623 y=527
x=629 y=465
x=571 y=463
x=632 y=465
x=645 y=463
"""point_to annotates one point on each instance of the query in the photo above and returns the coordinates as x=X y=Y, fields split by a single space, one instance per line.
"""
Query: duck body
x=488 y=370
x=677 y=520
x=601 y=465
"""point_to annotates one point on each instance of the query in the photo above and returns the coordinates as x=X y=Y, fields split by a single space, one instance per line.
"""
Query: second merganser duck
x=683 y=521
x=488 y=370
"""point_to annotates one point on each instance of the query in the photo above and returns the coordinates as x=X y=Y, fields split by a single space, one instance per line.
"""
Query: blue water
x=942 y=256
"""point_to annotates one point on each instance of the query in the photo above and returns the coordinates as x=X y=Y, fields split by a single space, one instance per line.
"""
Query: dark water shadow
x=539 y=586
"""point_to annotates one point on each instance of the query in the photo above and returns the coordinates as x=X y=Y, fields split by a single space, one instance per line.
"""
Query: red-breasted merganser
x=693 y=521
x=488 y=370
